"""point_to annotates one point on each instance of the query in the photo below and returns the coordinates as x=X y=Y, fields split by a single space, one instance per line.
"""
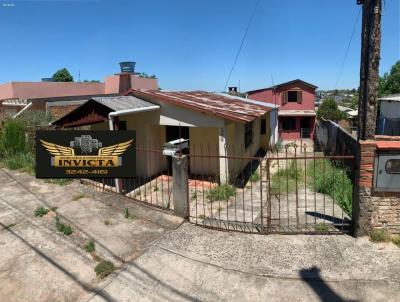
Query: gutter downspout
x=111 y=125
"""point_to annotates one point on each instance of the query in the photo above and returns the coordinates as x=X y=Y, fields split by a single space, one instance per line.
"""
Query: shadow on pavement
x=312 y=277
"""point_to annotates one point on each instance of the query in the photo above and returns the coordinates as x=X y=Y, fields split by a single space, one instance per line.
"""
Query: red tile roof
x=388 y=145
x=234 y=109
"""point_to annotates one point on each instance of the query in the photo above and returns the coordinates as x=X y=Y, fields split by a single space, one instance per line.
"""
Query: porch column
x=223 y=162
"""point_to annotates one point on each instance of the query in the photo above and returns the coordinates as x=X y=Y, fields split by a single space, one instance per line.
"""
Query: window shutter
x=284 y=97
x=299 y=97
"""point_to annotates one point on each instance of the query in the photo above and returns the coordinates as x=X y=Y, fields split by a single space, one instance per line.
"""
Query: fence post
x=180 y=190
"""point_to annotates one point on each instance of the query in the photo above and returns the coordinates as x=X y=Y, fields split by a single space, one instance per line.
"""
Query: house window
x=248 y=134
x=263 y=127
x=292 y=96
x=289 y=123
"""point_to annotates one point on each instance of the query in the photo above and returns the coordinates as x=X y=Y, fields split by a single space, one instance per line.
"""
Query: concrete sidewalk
x=38 y=263
x=158 y=259
x=197 y=264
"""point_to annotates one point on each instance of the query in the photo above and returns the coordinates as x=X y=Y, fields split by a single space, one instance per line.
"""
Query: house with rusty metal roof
x=215 y=124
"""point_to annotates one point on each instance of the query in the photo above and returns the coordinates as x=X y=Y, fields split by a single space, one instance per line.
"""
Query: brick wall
x=59 y=111
x=375 y=209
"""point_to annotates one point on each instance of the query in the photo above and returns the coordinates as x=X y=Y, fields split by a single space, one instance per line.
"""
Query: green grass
x=9 y=226
x=221 y=192
x=396 y=240
x=78 y=196
x=63 y=228
x=322 y=175
x=20 y=161
x=58 y=181
x=321 y=227
x=128 y=215
x=104 y=268
x=331 y=180
x=379 y=235
x=255 y=177
x=40 y=212
x=284 y=181
x=194 y=195
x=90 y=247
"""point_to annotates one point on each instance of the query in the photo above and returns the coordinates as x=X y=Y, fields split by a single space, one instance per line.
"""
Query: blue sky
x=190 y=44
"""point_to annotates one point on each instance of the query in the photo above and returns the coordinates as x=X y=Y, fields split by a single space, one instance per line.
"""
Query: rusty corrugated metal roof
x=206 y=102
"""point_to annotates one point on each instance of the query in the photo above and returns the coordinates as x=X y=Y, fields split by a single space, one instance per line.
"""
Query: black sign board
x=85 y=154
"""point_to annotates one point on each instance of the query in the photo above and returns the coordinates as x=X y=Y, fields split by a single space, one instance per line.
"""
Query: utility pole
x=369 y=70
x=363 y=208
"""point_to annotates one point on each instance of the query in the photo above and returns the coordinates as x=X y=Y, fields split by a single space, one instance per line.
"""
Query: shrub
x=379 y=235
x=284 y=181
x=9 y=226
x=222 y=192
x=35 y=119
x=104 y=268
x=13 y=139
x=90 y=247
x=321 y=227
x=333 y=181
x=128 y=215
x=40 y=211
x=329 y=110
x=107 y=222
x=20 y=161
x=78 y=196
x=396 y=240
x=58 y=181
x=255 y=177
x=63 y=228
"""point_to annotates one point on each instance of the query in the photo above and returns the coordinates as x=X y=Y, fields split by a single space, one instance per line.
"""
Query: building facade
x=296 y=103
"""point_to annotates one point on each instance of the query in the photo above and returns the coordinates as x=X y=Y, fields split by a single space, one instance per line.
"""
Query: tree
x=329 y=111
x=91 y=81
x=62 y=75
x=390 y=82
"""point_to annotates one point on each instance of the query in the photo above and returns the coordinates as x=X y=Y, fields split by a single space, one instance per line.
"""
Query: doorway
x=305 y=131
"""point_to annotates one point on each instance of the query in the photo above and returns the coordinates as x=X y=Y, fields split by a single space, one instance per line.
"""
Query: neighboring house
x=296 y=101
x=216 y=124
x=55 y=106
x=351 y=121
x=388 y=122
x=14 y=96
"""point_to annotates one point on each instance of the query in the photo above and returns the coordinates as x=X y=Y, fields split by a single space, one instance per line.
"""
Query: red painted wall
x=275 y=97
x=272 y=97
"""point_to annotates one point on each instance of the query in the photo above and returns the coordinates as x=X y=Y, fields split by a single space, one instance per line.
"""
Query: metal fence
x=294 y=190
x=291 y=190
x=152 y=185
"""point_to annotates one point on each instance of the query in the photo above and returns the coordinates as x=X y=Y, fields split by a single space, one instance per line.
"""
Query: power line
x=347 y=49
x=241 y=44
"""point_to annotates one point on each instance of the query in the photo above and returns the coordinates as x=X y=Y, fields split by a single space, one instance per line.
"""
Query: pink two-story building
x=296 y=101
